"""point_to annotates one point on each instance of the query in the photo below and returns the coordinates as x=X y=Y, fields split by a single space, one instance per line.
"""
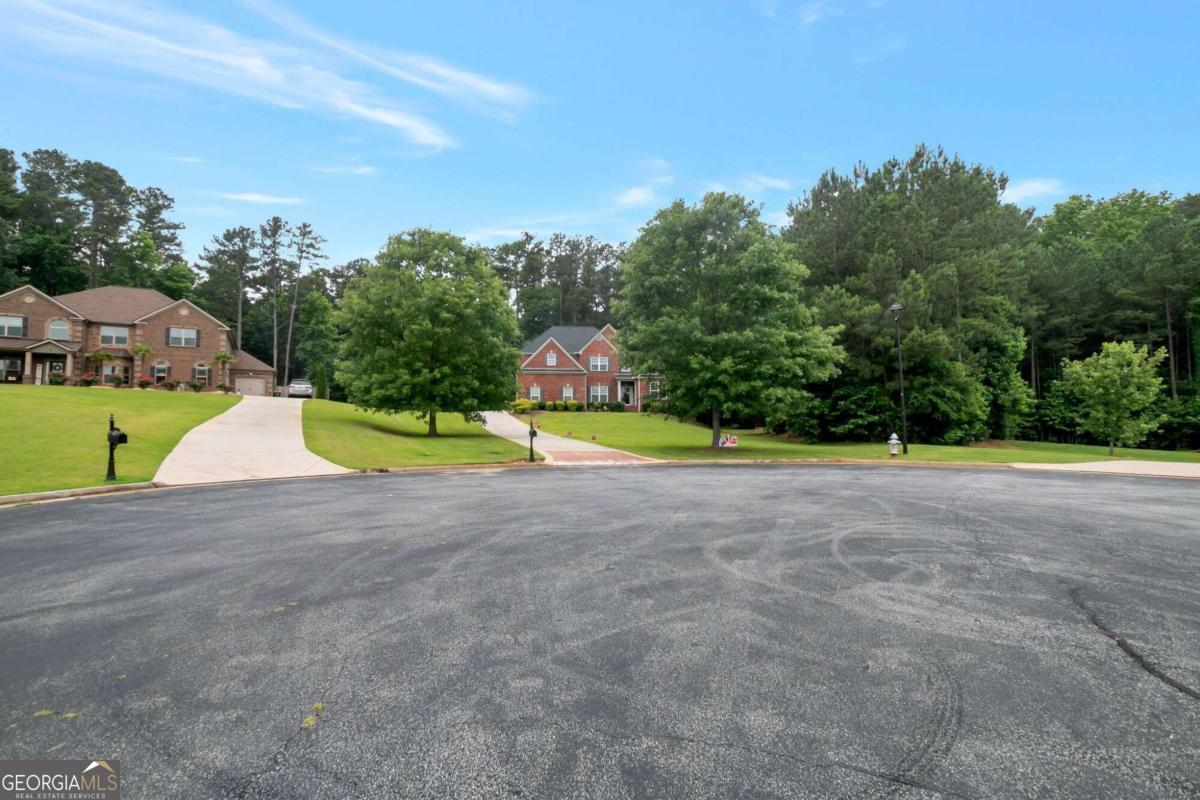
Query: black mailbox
x=117 y=436
x=532 y=432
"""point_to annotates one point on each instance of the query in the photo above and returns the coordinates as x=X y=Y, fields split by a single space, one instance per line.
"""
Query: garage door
x=250 y=386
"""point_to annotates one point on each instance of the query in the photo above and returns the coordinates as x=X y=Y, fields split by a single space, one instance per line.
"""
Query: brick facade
x=146 y=317
x=574 y=369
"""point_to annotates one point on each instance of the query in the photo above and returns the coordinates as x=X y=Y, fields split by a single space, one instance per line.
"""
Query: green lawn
x=54 y=437
x=661 y=437
x=358 y=440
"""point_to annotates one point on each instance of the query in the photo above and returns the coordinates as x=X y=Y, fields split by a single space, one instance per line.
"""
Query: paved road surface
x=689 y=632
x=260 y=437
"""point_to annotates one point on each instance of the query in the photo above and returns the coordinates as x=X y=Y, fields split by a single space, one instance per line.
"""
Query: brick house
x=42 y=336
x=581 y=363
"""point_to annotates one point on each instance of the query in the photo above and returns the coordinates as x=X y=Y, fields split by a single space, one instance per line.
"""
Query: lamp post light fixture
x=896 y=309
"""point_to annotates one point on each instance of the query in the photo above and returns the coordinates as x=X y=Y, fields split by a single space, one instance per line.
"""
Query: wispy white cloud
x=356 y=169
x=1021 y=191
x=891 y=46
x=184 y=159
x=501 y=98
x=265 y=199
x=637 y=196
x=162 y=42
x=757 y=183
x=814 y=12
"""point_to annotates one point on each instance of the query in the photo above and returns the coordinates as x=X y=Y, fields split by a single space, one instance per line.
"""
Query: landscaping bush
x=522 y=406
x=117 y=381
x=143 y=381
x=170 y=385
x=223 y=388
x=196 y=385
x=56 y=379
x=87 y=379
x=541 y=405
x=559 y=405
x=573 y=405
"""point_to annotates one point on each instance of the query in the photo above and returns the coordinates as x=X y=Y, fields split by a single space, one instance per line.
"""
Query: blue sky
x=494 y=117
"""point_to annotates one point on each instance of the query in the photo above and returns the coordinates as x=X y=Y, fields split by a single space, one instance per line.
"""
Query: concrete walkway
x=1162 y=469
x=260 y=437
x=558 y=449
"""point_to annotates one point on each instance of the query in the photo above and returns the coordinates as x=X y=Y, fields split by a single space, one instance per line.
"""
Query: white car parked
x=300 y=388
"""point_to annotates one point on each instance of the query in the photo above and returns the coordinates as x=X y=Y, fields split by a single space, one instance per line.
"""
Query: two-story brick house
x=581 y=363
x=43 y=336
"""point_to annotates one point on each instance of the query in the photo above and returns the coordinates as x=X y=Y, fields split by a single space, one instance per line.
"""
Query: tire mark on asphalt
x=1139 y=658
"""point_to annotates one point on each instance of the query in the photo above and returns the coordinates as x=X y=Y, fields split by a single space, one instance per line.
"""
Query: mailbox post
x=115 y=437
x=532 y=434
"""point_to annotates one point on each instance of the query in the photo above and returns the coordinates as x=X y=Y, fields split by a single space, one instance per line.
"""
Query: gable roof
x=571 y=338
x=182 y=302
x=249 y=362
x=31 y=288
x=123 y=304
x=564 y=368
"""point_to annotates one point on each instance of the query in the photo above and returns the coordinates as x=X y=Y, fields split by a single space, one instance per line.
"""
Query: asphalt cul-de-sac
x=704 y=631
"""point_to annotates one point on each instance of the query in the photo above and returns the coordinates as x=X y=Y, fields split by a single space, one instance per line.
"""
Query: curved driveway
x=260 y=437
x=699 y=632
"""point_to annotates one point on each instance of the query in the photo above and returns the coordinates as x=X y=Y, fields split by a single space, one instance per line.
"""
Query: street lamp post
x=896 y=309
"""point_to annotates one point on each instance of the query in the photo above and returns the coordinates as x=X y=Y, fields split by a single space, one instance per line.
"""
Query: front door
x=627 y=393
x=38 y=367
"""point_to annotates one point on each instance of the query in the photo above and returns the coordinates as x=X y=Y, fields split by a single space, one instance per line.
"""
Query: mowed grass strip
x=55 y=437
x=360 y=440
x=667 y=438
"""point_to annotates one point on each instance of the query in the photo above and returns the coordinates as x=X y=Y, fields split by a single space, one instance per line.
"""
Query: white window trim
x=166 y=373
x=112 y=337
x=594 y=363
x=50 y=327
x=207 y=372
x=598 y=394
x=535 y=393
x=183 y=340
x=552 y=359
x=568 y=393
x=6 y=321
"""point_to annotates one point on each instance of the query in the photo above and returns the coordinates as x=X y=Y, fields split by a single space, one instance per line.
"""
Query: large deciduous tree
x=316 y=344
x=426 y=329
x=712 y=302
x=1115 y=392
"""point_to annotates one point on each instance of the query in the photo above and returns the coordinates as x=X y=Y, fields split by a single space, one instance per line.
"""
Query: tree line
x=996 y=302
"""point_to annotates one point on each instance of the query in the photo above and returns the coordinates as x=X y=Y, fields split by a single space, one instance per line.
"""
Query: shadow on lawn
x=382 y=427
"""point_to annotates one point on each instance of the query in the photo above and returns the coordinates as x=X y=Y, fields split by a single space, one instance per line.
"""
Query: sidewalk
x=557 y=449
x=1161 y=469
x=260 y=437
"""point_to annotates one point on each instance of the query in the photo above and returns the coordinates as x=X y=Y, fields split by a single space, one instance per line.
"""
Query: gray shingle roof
x=571 y=337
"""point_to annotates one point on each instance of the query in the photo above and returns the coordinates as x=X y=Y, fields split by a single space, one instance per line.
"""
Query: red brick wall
x=552 y=384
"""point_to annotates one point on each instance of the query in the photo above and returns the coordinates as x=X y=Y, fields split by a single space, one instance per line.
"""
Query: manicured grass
x=358 y=440
x=662 y=437
x=54 y=437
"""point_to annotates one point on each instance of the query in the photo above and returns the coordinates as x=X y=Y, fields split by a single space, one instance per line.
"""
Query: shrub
x=223 y=387
x=572 y=405
x=117 y=381
x=541 y=405
x=522 y=406
x=56 y=379
x=170 y=385
x=196 y=385
x=616 y=405
x=87 y=379
x=144 y=381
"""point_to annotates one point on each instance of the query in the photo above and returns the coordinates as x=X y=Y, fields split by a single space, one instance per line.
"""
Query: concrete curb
x=67 y=494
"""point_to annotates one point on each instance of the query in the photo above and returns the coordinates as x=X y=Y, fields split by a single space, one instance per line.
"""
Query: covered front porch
x=38 y=363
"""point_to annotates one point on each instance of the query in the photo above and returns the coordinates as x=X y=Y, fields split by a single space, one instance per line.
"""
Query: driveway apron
x=260 y=437
x=558 y=449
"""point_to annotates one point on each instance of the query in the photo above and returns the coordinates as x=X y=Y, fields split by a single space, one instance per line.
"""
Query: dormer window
x=551 y=359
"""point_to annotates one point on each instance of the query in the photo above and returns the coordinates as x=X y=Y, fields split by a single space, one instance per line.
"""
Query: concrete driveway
x=558 y=449
x=260 y=437
x=660 y=632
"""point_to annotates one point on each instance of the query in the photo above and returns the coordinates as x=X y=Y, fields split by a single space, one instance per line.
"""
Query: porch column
x=70 y=371
x=28 y=376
